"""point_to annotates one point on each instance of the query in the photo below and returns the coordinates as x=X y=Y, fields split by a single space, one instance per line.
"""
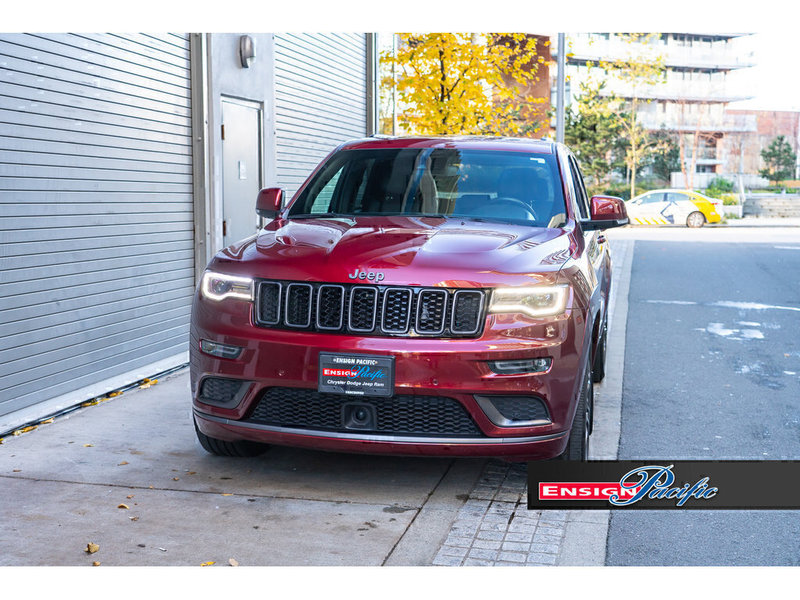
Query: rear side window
x=493 y=185
x=676 y=197
x=654 y=197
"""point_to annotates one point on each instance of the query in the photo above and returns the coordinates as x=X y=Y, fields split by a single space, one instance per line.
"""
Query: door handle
x=224 y=228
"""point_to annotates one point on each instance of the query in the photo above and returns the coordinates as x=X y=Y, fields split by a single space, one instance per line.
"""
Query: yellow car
x=673 y=207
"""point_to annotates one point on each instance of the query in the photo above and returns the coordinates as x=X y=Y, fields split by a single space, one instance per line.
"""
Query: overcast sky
x=773 y=80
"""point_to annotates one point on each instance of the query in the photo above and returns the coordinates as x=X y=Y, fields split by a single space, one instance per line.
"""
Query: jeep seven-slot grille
x=370 y=309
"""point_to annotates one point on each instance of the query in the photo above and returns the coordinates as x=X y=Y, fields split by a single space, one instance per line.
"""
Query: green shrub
x=721 y=184
x=729 y=199
x=718 y=187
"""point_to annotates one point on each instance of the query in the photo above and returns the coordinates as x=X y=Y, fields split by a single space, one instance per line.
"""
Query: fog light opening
x=220 y=350
x=520 y=367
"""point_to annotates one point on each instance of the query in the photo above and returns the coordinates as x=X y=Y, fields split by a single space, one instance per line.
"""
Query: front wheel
x=695 y=219
x=599 y=363
x=578 y=443
x=241 y=448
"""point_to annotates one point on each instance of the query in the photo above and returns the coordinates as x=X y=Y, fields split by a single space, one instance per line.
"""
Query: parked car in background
x=418 y=296
x=673 y=207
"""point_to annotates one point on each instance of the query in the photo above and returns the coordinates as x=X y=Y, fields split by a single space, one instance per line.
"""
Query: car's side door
x=680 y=205
x=650 y=209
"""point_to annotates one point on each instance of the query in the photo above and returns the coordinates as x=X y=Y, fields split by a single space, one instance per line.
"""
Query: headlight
x=217 y=286
x=535 y=301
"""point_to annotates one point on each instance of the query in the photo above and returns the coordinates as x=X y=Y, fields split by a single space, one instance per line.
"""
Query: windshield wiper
x=322 y=215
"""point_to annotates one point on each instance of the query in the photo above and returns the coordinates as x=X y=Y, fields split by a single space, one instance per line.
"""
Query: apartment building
x=692 y=99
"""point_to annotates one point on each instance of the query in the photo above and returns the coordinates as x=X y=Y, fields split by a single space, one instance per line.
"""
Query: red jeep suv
x=417 y=296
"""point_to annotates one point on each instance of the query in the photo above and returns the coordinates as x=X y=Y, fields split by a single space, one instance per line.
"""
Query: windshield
x=445 y=182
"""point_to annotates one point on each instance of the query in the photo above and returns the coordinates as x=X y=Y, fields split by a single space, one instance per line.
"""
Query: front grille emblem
x=367 y=275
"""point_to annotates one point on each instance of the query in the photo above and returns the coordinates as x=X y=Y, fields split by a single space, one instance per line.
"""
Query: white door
x=241 y=168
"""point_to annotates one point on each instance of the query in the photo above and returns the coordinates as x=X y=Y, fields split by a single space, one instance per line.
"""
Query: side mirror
x=269 y=202
x=606 y=212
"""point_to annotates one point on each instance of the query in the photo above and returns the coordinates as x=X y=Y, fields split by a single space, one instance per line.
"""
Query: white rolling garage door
x=320 y=99
x=96 y=221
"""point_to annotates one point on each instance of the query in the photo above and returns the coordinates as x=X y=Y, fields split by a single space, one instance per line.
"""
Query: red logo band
x=583 y=490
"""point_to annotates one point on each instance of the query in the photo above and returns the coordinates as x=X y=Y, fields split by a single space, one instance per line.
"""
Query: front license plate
x=356 y=374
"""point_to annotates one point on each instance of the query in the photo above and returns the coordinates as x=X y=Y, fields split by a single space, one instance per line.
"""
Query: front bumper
x=455 y=370
x=523 y=448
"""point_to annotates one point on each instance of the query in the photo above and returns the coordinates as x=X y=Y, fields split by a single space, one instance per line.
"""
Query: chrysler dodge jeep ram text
x=417 y=296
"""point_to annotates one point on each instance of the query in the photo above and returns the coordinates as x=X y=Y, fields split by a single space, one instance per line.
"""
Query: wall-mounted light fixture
x=247 y=51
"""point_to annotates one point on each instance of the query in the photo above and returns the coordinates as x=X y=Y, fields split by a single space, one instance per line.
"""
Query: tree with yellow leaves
x=463 y=83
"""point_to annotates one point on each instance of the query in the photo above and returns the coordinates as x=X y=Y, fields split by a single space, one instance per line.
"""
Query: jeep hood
x=429 y=251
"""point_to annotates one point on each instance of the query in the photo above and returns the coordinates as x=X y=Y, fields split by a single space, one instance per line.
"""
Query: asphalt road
x=712 y=371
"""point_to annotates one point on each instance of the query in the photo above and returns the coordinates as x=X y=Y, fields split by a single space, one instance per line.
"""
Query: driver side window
x=582 y=198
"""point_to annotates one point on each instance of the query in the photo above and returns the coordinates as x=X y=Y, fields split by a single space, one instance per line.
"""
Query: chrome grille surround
x=375 y=310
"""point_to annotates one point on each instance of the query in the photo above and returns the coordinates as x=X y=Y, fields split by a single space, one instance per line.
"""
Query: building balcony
x=674 y=90
x=718 y=57
x=691 y=123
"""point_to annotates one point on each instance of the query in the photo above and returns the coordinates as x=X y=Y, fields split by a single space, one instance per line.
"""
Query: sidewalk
x=763 y=222
x=129 y=476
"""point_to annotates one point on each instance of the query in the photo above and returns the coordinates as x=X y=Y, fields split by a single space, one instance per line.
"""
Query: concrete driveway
x=68 y=483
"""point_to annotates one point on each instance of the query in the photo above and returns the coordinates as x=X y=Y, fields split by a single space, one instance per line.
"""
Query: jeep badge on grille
x=371 y=275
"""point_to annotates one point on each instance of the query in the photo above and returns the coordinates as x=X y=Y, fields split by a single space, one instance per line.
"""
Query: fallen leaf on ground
x=233 y=562
x=16 y=470
x=124 y=462
x=227 y=494
x=48 y=421
x=96 y=563
x=134 y=518
x=91 y=548
x=125 y=506
x=88 y=445
x=208 y=564
x=131 y=496
x=176 y=479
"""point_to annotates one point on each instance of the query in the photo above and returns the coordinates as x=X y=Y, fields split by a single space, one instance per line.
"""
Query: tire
x=599 y=363
x=241 y=448
x=695 y=220
x=578 y=443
